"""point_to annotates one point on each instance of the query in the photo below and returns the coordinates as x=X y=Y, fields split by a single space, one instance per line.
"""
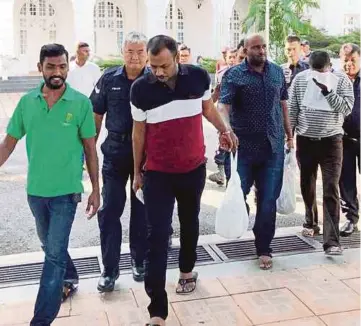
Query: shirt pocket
x=118 y=96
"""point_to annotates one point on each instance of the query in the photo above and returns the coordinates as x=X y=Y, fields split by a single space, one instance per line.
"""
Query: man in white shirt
x=83 y=74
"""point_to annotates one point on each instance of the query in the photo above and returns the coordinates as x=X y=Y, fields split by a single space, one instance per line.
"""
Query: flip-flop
x=265 y=262
x=309 y=233
x=183 y=283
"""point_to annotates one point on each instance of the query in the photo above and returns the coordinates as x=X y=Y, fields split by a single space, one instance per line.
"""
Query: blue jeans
x=266 y=172
x=54 y=217
x=220 y=157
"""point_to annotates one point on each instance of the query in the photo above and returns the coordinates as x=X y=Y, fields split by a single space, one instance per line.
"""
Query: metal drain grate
x=242 y=250
x=353 y=241
x=32 y=272
x=204 y=256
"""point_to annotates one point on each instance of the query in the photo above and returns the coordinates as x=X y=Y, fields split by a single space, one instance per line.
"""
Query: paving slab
x=271 y=306
x=213 y=312
x=349 y=318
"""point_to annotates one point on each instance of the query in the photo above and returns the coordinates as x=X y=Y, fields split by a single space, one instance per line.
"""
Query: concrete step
x=22 y=78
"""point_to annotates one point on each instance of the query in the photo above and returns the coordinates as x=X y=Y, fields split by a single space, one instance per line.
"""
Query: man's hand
x=321 y=86
x=228 y=141
x=93 y=204
x=290 y=144
x=137 y=182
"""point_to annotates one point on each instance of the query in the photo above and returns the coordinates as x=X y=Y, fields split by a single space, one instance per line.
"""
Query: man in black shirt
x=350 y=58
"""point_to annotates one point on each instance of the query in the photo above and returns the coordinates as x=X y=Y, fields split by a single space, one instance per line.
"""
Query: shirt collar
x=246 y=67
x=68 y=95
x=122 y=71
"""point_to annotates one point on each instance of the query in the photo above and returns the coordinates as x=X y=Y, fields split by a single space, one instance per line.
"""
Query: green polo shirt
x=53 y=140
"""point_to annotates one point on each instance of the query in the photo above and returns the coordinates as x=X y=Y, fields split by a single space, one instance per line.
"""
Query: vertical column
x=155 y=11
x=83 y=20
x=222 y=14
x=7 y=35
x=8 y=42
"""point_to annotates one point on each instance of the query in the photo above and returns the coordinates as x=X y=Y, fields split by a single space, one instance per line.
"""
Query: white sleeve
x=97 y=74
x=207 y=94
x=138 y=114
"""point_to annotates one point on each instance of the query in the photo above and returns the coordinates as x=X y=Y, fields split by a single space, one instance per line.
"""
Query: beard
x=257 y=61
x=54 y=86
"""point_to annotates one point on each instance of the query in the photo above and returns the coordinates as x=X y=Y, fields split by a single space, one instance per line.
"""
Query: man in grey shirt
x=319 y=100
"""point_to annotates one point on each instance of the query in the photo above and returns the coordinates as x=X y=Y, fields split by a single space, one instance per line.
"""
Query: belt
x=120 y=136
x=321 y=138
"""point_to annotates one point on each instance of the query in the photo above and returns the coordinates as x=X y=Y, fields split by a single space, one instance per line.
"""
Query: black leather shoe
x=106 y=283
x=138 y=272
x=347 y=229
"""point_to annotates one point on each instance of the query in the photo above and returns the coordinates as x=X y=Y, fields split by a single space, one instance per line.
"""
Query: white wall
x=6 y=27
x=331 y=14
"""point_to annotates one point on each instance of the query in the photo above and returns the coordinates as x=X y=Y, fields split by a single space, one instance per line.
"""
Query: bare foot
x=265 y=262
x=187 y=283
x=157 y=321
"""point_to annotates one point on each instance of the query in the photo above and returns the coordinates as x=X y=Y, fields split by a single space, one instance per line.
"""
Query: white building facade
x=204 y=25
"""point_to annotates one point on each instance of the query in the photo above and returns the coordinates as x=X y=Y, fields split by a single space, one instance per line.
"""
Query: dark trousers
x=54 y=218
x=348 y=179
x=160 y=192
x=326 y=153
x=116 y=172
x=266 y=171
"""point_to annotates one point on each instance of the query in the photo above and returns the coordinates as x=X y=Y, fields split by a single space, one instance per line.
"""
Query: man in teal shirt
x=58 y=122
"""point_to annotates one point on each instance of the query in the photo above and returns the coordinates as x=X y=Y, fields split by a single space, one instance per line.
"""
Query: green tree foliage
x=286 y=17
x=320 y=40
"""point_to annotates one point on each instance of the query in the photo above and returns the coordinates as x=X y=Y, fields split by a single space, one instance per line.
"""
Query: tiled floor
x=312 y=296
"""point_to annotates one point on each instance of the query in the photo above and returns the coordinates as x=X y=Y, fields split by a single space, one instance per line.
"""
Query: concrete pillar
x=156 y=10
x=7 y=45
x=83 y=20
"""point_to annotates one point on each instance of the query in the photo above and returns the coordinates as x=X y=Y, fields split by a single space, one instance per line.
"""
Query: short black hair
x=232 y=50
x=240 y=44
x=305 y=42
x=293 y=38
x=184 y=47
x=160 y=42
x=51 y=51
x=319 y=60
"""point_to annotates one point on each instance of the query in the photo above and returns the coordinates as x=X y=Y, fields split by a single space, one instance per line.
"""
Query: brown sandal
x=265 y=262
x=184 y=284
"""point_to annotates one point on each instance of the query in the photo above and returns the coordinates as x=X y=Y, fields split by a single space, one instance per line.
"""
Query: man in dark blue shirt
x=294 y=64
x=112 y=96
x=253 y=101
x=350 y=58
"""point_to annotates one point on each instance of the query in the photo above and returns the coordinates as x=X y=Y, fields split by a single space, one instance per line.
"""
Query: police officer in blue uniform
x=111 y=96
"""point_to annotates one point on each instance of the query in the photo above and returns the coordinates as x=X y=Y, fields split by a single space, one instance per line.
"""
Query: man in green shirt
x=58 y=122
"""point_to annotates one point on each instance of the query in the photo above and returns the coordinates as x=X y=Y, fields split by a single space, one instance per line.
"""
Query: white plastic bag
x=232 y=217
x=286 y=203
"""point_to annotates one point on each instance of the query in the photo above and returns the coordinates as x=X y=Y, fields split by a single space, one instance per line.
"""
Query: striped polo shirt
x=318 y=123
x=174 y=130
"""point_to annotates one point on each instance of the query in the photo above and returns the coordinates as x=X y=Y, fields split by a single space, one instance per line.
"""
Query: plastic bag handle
x=234 y=162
